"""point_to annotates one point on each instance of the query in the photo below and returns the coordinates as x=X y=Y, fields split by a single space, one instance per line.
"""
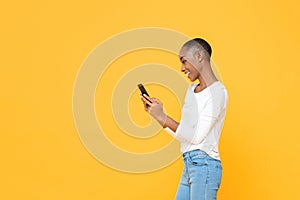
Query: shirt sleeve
x=175 y=134
x=212 y=112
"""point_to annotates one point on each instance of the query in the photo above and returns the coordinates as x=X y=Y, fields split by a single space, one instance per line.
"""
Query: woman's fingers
x=152 y=100
x=145 y=100
x=150 y=104
x=156 y=100
x=147 y=97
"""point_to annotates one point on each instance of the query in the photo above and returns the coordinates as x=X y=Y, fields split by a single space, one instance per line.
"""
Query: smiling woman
x=256 y=47
x=192 y=50
x=200 y=126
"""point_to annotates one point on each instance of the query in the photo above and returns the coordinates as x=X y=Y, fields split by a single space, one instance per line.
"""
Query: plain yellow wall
x=43 y=44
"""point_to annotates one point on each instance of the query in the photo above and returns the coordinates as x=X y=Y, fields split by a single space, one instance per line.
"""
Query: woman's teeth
x=187 y=73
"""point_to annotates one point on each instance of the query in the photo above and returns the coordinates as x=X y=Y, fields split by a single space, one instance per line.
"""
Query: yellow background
x=43 y=43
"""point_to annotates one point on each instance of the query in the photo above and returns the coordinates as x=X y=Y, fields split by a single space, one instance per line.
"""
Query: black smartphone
x=143 y=91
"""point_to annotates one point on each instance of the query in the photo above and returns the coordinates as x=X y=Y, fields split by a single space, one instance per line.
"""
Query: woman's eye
x=184 y=61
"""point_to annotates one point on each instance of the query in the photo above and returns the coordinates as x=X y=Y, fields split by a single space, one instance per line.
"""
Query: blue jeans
x=201 y=177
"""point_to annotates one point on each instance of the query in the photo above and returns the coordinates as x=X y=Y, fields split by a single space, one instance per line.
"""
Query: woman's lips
x=188 y=74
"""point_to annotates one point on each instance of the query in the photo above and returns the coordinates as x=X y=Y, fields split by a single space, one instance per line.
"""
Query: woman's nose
x=182 y=68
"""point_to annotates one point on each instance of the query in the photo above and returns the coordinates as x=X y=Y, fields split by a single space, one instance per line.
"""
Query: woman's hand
x=155 y=108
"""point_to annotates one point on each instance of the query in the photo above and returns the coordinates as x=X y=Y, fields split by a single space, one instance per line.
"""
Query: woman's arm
x=170 y=123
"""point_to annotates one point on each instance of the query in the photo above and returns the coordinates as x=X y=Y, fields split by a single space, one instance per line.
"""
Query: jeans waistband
x=193 y=153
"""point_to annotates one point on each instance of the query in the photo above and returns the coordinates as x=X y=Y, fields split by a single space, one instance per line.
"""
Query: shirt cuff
x=170 y=131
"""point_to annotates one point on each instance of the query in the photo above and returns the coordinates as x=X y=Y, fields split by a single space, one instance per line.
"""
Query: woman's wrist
x=162 y=120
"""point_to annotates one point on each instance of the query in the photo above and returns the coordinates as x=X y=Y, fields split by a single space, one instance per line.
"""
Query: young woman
x=203 y=114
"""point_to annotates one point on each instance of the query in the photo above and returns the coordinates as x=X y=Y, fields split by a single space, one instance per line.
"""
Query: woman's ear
x=200 y=56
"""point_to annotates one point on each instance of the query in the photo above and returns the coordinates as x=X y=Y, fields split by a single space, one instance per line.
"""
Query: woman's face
x=189 y=63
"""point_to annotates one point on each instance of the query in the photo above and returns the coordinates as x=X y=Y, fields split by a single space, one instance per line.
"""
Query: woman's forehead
x=184 y=51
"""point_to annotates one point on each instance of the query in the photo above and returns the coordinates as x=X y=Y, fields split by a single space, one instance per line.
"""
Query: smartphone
x=143 y=90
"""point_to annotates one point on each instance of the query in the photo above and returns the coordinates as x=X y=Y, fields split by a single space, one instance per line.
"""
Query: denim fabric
x=201 y=177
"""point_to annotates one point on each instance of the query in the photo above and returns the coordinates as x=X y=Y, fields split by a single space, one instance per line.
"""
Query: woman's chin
x=192 y=79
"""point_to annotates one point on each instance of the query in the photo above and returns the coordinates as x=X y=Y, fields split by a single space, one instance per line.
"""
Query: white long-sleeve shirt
x=202 y=118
